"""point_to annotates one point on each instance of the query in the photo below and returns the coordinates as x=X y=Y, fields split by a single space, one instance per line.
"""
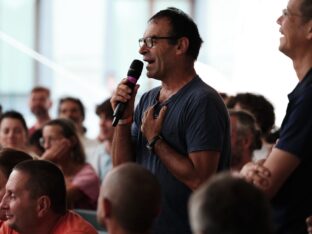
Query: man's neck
x=174 y=83
x=41 y=120
x=45 y=225
x=302 y=65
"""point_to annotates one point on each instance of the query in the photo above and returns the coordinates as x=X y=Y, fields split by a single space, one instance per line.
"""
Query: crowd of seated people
x=60 y=141
x=46 y=175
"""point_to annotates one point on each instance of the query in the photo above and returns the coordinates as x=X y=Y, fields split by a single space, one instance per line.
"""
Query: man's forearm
x=191 y=173
x=122 y=148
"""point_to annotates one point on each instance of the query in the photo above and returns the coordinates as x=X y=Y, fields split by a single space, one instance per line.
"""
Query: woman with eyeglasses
x=63 y=147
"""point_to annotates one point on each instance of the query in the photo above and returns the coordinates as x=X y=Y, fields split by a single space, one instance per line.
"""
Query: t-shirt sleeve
x=297 y=128
x=205 y=125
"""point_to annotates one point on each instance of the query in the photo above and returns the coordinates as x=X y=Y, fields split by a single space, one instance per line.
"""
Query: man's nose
x=3 y=203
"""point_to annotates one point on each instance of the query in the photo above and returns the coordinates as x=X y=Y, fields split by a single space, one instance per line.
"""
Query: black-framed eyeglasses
x=149 y=41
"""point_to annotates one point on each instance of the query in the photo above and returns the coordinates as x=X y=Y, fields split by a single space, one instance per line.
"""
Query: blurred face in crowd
x=3 y=180
x=51 y=134
x=19 y=206
x=106 y=128
x=39 y=103
x=12 y=134
x=70 y=110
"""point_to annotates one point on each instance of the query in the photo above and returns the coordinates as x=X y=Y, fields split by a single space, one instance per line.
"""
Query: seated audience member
x=13 y=131
x=101 y=159
x=73 y=109
x=39 y=104
x=63 y=147
x=245 y=138
x=8 y=159
x=129 y=200
x=34 y=144
x=226 y=204
x=35 y=202
x=263 y=111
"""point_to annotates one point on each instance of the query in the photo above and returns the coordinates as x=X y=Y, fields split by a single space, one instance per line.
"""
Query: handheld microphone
x=133 y=75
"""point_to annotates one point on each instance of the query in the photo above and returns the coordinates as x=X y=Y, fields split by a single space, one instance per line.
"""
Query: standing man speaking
x=180 y=130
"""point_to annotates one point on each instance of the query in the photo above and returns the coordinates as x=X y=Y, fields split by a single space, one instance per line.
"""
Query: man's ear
x=107 y=208
x=43 y=205
x=182 y=45
x=309 y=30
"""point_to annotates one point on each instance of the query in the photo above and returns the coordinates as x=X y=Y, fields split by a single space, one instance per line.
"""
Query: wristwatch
x=150 y=146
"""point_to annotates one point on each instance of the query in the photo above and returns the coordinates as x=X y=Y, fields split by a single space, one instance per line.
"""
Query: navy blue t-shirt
x=293 y=203
x=196 y=120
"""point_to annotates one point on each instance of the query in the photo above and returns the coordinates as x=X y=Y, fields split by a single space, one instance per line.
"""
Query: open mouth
x=149 y=61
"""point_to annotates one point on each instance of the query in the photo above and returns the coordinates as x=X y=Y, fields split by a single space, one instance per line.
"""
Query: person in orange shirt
x=35 y=202
x=8 y=159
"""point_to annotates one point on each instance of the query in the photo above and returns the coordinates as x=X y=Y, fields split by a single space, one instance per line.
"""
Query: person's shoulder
x=71 y=222
x=199 y=91
x=86 y=169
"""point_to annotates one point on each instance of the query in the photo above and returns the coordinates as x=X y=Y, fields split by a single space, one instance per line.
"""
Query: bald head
x=130 y=195
x=226 y=204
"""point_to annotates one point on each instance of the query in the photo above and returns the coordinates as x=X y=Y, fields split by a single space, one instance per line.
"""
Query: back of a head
x=229 y=205
x=182 y=26
x=45 y=178
x=135 y=197
x=10 y=158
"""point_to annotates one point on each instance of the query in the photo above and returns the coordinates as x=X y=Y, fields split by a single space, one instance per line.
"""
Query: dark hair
x=306 y=9
x=41 y=89
x=227 y=204
x=9 y=158
x=181 y=26
x=76 y=101
x=34 y=139
x=69 y=131
x=45 y=179
x=14 y=115
x=259 y=106
x=246 y=122
x=106 y=108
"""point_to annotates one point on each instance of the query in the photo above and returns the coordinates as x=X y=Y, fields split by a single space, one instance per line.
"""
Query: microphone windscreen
x=135 y=69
